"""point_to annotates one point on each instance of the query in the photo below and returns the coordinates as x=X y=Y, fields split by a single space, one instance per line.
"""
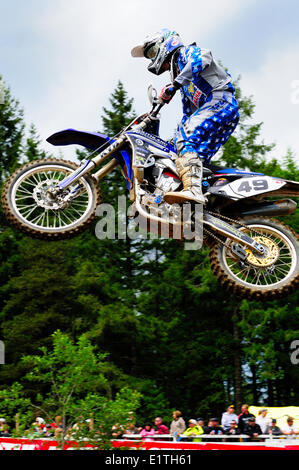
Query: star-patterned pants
x=209 y=127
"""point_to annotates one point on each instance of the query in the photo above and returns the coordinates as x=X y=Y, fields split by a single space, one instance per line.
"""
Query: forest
x=154 y=311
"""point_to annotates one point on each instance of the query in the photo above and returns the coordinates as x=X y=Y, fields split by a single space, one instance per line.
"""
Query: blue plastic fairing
x=90 y=140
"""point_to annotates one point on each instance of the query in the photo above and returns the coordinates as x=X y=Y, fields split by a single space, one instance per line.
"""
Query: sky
x=62 y=59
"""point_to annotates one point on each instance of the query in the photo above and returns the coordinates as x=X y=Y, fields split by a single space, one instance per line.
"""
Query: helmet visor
x=152 y=51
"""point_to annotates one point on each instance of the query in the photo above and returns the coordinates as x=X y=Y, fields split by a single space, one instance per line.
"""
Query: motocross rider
x=210 y=108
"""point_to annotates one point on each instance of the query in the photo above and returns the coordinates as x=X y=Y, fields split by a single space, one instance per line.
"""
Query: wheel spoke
x=32 y=202
x=256 y=277
x=262 y=273
x=27 y=214
x=24 y=191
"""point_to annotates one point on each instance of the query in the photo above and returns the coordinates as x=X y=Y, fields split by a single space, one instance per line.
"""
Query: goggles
x=152 y=51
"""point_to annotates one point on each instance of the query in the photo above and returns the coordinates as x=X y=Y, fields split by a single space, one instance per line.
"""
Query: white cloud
x=87 y=45
x=80 y=48
x=274 y=93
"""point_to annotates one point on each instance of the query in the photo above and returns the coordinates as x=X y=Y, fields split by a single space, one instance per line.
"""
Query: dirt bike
x=251 y=254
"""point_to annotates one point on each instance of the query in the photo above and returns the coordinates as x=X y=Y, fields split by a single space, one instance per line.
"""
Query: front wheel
x=30 y=206
x=273 y=275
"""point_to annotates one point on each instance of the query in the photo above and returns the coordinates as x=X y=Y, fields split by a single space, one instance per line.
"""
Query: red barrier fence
x=162 y=445
x=34 y=444
x=44 y=444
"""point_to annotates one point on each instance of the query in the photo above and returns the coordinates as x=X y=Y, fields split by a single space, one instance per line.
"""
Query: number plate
x=247 y=187
x=144 y=146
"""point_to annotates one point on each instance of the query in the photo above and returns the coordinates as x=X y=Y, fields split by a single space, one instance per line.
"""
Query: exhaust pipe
x=270 y=208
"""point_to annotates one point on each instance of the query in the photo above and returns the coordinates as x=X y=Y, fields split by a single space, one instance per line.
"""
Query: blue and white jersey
x=199 y=76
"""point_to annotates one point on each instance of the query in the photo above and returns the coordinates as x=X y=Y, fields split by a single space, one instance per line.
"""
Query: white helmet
x=158 y=47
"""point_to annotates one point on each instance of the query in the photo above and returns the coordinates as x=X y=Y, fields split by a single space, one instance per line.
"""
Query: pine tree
x=112 y=263
x=244 y=148
x=32 y=149
x=11 y=133
x=155 y=308
x=121 y=112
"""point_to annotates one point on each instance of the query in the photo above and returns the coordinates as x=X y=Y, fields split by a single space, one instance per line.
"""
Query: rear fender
x=255 y=186
x=290 y=188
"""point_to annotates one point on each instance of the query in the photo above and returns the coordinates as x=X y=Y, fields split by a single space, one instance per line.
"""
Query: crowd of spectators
x=230 y=424
x=38 y=428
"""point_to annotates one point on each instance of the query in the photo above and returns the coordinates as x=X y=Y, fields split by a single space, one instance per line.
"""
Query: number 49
x=258 y=185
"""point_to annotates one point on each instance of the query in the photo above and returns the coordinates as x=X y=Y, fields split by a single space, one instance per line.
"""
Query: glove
x=167 y=93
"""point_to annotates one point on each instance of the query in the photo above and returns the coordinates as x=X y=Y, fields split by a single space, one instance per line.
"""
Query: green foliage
x=11 y=134
x=244 y=148
x=121 y=114
x=75 y=387
x=143 y=324
x=32 y=146
x=15 y=407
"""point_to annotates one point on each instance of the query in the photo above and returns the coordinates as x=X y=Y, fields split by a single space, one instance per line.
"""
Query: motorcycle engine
x=163 y=181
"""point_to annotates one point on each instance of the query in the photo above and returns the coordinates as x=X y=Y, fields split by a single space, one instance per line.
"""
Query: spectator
x=5 y=432
x=50 y=432
x=233 y=428
x=252 y=429
x=2 y=425
x=214 y=427
x=57 y=426
x=289 y=429
x=232 y=431
x=117 y=431
x=273 y=429
x=178 y=425
x=132 y=419
x=160 y=428
x=132 y=429
x=262 y=420
x=243 y=418
x=40 y=426
x=193 y=430
x=4 y=429
x=201 y=423
x=147 y=432
x=228 y=416
x=81 y=426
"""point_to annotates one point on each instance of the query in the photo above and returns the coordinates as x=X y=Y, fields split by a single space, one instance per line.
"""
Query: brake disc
x=268 y=258
x=45 y=197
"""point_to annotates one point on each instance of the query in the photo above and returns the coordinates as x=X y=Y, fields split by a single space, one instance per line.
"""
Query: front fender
x=89 y=140
x=92 y=141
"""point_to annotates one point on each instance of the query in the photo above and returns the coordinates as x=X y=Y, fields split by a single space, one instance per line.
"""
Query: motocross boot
x=190 y=169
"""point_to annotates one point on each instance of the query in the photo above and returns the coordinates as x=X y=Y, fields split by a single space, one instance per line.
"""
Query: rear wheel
x=31 y=205
x=273 y=275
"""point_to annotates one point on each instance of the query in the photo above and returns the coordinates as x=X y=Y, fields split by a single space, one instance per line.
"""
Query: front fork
x=88 y=165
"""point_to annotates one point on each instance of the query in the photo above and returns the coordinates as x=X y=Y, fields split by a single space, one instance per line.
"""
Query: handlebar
x=156 y=109
x=145 y=119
